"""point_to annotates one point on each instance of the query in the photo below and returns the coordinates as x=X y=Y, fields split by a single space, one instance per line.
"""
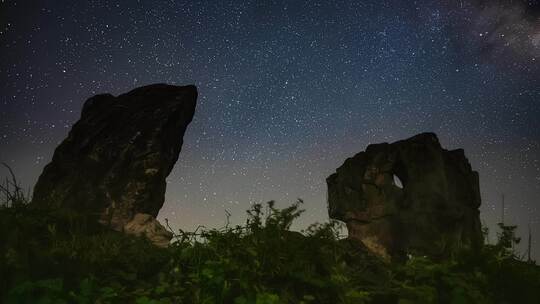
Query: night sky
x=287 y=91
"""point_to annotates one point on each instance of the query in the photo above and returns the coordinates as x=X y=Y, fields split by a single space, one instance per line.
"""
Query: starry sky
x=287 y=91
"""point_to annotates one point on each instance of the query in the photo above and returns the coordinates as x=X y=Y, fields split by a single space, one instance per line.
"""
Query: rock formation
x=408 y=197
x=114 y=162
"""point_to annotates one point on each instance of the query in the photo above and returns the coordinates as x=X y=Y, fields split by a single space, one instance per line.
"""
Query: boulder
x=408 y=197
x=114 y=162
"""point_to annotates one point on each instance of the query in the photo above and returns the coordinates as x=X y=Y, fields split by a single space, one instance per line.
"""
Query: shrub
x=63 y=257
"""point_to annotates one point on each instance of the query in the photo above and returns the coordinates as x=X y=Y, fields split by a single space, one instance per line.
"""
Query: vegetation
x=51 y=257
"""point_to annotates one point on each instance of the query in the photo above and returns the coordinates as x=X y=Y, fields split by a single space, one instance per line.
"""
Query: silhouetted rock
x=411 y=196
x=114 y=162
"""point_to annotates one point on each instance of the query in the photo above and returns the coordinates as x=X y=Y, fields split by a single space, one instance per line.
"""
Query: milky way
x=287 y=91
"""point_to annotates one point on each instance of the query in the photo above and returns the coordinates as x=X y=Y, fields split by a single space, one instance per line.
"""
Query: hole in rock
x=398 y=182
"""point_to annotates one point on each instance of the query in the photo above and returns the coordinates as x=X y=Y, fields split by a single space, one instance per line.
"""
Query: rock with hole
x=408 y=197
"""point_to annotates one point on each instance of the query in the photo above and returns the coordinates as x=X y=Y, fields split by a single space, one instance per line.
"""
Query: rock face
x=408 y=197
x=114 y=162
x=144 y=224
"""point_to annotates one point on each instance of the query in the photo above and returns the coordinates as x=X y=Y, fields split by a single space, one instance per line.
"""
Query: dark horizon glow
x=287 y=91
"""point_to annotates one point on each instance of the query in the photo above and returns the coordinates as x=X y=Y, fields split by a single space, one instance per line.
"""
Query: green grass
x=49 y=257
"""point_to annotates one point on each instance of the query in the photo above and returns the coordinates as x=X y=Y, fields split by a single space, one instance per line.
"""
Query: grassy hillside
x=49 y=257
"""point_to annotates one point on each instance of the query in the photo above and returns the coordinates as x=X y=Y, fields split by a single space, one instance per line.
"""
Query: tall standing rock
x=411 y=196
x=114 y=162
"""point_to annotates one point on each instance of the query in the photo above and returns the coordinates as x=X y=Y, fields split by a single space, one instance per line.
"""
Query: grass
x=52 y=257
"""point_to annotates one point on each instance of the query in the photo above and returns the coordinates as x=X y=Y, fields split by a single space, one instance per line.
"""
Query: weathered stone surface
x=146 y=225
x=411 y=196
x=114 y=162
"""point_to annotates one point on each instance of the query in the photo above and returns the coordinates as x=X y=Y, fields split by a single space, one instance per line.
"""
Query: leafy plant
x=62 y=257
x=11 y=192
